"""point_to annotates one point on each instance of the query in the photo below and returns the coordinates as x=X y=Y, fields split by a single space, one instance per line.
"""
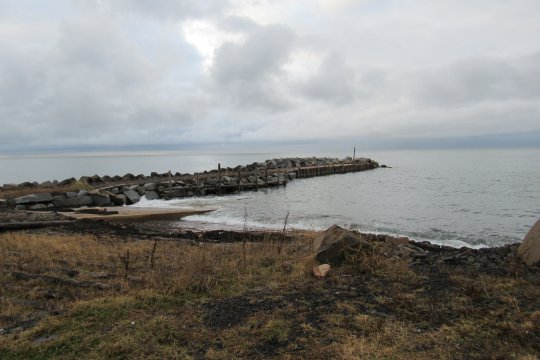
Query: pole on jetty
x=198 y=186
x=170 y=180
x=219 y=178
x=239 y=178
x=257 y=178
x=354 y=154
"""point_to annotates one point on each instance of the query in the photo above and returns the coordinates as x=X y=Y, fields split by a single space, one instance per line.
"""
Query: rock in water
x=334 y=243
x=529 y=250
x=321 y=270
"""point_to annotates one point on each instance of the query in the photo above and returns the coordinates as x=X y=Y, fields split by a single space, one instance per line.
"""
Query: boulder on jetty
x=61 y=201
x=529 y=250
x=151 y=195
x=118 y=199
x=33 y=199
x=132 y=196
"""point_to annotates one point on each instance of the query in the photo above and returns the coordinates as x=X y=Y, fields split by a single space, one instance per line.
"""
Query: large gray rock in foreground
x=33 y=199
x=529 y=250
x=334 y=243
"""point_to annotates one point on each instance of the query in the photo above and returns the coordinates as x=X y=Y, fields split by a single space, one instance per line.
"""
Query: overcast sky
x=137 y=73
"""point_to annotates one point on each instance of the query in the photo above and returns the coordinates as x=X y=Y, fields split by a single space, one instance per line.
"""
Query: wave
x=229 y=214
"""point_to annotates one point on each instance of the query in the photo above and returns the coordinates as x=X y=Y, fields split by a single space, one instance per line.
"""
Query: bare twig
x=125 y=260
x=282 y=240
x=152 y=254
x=244 y=237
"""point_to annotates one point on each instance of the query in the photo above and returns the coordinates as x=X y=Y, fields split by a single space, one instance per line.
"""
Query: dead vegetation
x=189 y=299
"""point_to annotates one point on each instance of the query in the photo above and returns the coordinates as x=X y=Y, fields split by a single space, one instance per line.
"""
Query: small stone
x=321 y=270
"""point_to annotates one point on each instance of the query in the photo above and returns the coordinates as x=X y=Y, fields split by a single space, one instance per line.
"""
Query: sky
x=138 y=74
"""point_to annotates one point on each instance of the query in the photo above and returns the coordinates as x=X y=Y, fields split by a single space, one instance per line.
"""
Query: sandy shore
x=127 y=213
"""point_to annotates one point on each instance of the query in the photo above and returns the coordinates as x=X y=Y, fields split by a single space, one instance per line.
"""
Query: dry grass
x=204 y=301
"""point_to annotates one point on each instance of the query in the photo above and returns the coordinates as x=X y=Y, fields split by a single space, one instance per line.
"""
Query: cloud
x=248 y=74
x=475 y=80
x=170 y=10
x=94 y=85
x=333 y=82
x=133 y=72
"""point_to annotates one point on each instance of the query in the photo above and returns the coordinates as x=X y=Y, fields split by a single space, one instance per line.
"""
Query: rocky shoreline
x=502 y=259
x=128 y=189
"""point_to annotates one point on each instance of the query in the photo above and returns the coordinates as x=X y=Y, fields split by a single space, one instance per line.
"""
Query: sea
x=473 y=198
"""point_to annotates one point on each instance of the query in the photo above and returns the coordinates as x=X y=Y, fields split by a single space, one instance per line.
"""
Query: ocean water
x=457 y=198
x=453 y=197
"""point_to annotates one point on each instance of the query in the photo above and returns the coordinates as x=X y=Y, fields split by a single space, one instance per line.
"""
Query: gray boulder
x=61 y=201
x=212 y=181
x=132 y=196
x=333 y=244
x=33 y=199
x=100 y=199
x=66 y=182
x=71 y=195
x=38 y=207
x=118 y=199
x=151 y=195
x=150 y=187
x=82 y=193
x=232 y=181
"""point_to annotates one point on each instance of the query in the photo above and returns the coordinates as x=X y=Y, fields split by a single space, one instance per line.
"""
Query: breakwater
x=128 y=189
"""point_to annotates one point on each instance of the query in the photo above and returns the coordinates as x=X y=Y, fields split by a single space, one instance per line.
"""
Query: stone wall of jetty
x=129 y=189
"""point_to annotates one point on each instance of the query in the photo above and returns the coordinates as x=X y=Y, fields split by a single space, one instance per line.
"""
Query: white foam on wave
x=236 y=222
x=218 y=218
x=190 y=202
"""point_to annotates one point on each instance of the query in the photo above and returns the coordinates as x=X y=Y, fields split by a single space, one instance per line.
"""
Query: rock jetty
x=129 y=189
